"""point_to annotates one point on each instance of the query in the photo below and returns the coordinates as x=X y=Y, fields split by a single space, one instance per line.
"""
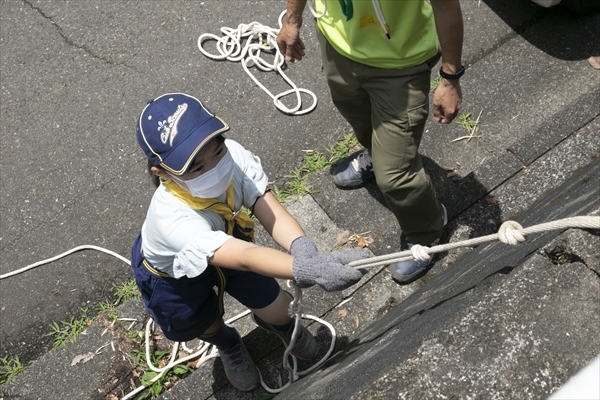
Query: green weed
x=107 y=307
x=68 y=331
x=10 y=367
x=126 y=291
x=435 y=83
x=471 y=126
x=158 y=358
x=313 y=161
x=341 y=148
x=464 y=120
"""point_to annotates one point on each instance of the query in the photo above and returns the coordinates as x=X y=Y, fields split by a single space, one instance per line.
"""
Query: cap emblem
x=169 y=127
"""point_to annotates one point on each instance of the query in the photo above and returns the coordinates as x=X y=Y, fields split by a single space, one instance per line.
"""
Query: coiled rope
x=259 y=39
x=205 y=351
x=510 y=232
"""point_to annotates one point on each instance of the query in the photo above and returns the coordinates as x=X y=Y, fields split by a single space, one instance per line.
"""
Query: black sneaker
x=409 y=271
x=239 y=367
x=355 y=171
x=305 y=347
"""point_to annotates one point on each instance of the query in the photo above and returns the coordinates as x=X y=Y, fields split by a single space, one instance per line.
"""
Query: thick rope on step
x=259 y=39
x=510 y=232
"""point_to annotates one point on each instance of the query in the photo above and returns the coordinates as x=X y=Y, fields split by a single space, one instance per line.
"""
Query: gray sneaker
x=239 y=367
x=408 y=271
x=305 y=347
x=354 y=171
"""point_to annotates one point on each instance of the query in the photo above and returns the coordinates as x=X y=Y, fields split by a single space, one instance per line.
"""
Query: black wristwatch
x=452 y=77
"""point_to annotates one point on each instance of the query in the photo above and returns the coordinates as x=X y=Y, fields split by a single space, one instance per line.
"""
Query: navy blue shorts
x=184 y=308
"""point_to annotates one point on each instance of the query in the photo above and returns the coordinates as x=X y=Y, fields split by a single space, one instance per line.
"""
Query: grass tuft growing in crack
x=10 y=367
x=68 y=331
x=312 y=162
x=126 y=291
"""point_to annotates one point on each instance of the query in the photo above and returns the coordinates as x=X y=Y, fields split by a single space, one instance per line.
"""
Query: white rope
x=66 y=253
x=259 y=38
x=205 y=351
x=295 y=311
x=314 y=12
x=510 y=232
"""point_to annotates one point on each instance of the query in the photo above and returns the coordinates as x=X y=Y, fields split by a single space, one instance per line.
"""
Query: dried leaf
x=369 y=296
x=343 y=313
x=112 y=397
x=365 y=241
x=342 y=238
x=490 y=199
x=356 y=322
x=82 y=358
x=361 y=242
x=594 y=62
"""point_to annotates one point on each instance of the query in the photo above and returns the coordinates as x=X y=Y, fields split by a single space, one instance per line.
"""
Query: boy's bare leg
x=276 y=313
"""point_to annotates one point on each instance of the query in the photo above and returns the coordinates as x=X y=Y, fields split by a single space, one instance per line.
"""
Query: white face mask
x=212 y=183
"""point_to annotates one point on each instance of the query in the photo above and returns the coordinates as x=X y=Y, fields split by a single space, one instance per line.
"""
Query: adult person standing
x=377 y=57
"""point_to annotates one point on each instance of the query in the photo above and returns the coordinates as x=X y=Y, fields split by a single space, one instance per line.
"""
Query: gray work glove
x=328 y=271
x=302 y=246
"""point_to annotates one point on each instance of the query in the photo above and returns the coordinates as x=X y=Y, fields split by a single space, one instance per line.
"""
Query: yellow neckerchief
x=230 y=217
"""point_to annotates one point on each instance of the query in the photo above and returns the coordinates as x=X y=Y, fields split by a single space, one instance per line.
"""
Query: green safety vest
x=355 y=31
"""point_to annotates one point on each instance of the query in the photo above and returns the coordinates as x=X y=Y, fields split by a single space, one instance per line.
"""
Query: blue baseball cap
x=173 y=128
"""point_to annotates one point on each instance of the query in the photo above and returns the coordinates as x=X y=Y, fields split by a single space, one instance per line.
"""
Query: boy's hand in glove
x=302 y=246
x=330 y=271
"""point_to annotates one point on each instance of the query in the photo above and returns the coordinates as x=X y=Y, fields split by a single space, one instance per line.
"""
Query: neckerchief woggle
x=232 y=219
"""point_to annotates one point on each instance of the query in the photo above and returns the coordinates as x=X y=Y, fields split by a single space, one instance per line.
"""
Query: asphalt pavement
x=75 y=75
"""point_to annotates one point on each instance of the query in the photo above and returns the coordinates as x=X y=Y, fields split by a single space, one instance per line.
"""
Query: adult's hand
x=449 y=25
x=447 y=100
x=288 y=38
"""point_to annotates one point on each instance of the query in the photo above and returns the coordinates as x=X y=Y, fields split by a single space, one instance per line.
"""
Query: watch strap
x=454 y=76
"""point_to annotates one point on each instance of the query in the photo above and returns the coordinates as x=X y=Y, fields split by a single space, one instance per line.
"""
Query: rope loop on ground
x=260 y=39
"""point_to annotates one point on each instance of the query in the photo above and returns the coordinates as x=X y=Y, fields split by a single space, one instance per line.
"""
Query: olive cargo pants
x=387 y=109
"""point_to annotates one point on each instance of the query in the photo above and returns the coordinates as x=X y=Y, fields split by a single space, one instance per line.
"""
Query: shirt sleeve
x=250 y=174
x=178 y=240
x=192 y=259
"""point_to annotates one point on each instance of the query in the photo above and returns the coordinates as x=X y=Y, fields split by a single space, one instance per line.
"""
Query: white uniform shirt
x=177 y=239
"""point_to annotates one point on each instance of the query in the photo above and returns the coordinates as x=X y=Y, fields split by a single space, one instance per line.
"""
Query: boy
x=195 y=238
